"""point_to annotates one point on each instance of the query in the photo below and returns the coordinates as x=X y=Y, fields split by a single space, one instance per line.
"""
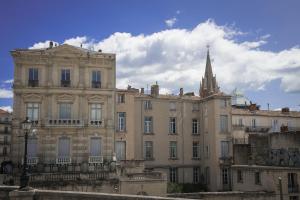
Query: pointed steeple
x=209 y=84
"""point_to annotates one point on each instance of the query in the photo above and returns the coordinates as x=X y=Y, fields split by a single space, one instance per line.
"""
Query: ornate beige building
x=69 y=94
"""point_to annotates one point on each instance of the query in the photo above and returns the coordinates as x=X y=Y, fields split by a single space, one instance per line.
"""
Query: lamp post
x=24 y=179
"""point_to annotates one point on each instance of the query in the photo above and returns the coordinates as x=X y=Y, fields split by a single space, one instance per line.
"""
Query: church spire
x=209 y=84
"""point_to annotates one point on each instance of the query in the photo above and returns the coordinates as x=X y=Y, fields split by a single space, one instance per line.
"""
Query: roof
x=4 y=111
x=271 y=113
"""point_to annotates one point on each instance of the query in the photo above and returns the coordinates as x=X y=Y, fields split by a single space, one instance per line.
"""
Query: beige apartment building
x=68 y=93
x=186 y=136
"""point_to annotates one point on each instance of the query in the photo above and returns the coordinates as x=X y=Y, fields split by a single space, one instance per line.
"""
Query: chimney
x=181 y=92
x=50 y=44
x=142 y=91
x=99 y=50
x=155 y=90
x=285 y=110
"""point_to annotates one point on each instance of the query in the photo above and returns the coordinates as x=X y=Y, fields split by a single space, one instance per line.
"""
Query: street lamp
x=24 y=179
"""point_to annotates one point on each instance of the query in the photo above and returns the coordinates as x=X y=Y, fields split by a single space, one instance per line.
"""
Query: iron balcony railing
x=293 y=188
x=96 y=84
x=65 y=122
x=261 y=129
x=65 y=83
x=33 y=83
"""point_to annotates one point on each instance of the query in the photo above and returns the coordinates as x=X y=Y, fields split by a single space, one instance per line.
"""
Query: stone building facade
x=68 y=93
x=5 y=135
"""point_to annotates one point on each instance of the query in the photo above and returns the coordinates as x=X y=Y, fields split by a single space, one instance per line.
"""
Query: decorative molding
x=95 y=99
x=65 y=98
x=32 y=98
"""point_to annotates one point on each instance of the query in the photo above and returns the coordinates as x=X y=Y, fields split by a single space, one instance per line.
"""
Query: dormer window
x=33 y=77
x=96 y=79
x=65 y=78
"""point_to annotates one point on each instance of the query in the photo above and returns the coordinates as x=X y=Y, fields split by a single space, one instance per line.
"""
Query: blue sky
x=263 y=29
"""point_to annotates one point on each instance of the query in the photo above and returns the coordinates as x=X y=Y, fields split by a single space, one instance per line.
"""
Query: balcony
x=63 y=160
x=32 y=160
x=33 y=83
x=64 y=123
x=238 y=127
x=293 y=188
x=259 y=129
x=240 y=140
x=96 y=84
x=65 y=83
x=95 y=159
x=225 y=160
x=96 y=123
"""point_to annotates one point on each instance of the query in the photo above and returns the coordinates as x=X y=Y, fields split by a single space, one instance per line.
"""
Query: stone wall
x=233 y=195
x=5 y=190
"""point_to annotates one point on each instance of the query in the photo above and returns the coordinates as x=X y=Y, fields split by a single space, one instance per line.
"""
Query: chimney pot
x=142 y=91
x=50 y=44
x=155 y=90
x=181 y=92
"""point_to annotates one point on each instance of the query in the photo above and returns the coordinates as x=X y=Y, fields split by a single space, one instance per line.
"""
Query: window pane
x=95 y=148
x=32 y=147
x=64 y=147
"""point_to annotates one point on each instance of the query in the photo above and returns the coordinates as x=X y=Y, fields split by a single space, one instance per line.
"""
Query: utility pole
x=280 y=188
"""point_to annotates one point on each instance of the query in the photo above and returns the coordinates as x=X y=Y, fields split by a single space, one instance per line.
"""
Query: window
x=253 y=123
x=225 y=176
x=148 y=149
x=33 y=77
x=65 y=78
x=64 y=147
x=224 y=149
x=292 y=183
x=4 y=151
x=148 y=125
x=96 y=79
x=207 y=175
x=224 y=123
x=257 y=178
x=196 y=150
x=223 y=103
x=207 y=151
x=121 y=98
x=172 y=106
x=173 y=150
x=173 y=175
x=240 y=122
x=65 y=111
x=172 y=125
x=239 y=176
x=195 y=130
x=195 y=107
x=96 y=112
x=32 y=147
x=5 y=139
x=32 y=111
x=121 y=150
x=147 y=105
x=121 y=121
x=95 y=146
x=196 y=175
x=5 y=129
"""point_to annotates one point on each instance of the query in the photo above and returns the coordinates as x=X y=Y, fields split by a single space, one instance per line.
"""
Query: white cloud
x=8 y=81
x=42 y=45
x=5 y=93
x=178 y=12
x=170 y=22
x=6 y=108
x=176 y=58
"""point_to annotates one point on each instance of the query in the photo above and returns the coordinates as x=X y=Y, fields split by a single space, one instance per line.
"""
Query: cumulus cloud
x=6 y=108
x=5 y=93
x=42 y=45
x=170 y=22
x=8 y=81
x=176 y=58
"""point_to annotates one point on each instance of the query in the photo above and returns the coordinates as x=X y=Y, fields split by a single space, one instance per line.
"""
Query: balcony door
x=95 y=148
x=64 y=147
x=121 y=150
